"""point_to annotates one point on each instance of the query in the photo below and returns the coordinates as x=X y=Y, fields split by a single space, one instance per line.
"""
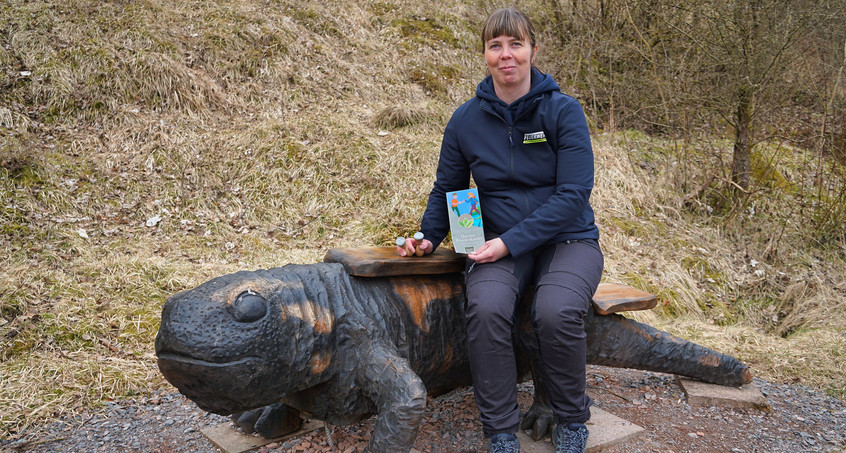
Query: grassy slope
x=263 y=133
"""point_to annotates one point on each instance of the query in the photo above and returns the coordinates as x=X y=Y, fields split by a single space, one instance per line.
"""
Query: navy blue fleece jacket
x=531 y=160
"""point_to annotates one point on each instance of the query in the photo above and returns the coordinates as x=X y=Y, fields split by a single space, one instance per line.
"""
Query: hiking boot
x=504 y=443
x=570 y=439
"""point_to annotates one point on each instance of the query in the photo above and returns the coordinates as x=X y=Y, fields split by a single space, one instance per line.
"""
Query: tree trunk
x=741 y=165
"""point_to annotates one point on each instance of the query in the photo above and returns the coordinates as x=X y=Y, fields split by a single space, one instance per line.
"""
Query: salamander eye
x=249 y=307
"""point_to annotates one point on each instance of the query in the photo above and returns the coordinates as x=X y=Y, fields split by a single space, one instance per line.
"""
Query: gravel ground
x=801 y=420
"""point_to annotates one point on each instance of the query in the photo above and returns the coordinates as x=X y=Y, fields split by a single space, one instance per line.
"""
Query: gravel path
x=801 y=420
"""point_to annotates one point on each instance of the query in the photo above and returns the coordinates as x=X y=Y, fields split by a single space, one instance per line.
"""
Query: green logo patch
x=534 y=137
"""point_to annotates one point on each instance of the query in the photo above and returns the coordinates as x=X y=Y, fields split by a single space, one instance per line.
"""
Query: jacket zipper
x=522 y=191
x=510 y=152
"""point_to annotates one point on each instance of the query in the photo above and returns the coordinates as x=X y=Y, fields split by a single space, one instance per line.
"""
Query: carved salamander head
x=243 y=340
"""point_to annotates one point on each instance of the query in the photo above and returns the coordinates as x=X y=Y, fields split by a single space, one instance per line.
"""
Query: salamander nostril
x=249 y=307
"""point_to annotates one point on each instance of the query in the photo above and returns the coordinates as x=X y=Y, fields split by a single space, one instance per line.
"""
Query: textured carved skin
x=340 y=348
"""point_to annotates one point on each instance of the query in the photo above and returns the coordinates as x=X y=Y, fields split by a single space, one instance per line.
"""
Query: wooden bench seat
x=384 y=262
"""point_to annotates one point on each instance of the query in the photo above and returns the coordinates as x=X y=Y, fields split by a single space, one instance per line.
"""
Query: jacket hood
x=541 y=83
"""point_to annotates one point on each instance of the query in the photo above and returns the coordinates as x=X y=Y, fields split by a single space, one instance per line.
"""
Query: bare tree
x=746 y=45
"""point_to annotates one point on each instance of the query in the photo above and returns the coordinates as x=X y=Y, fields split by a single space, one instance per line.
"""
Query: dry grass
x=394 y=116
x=721 y=285
x=264 y=133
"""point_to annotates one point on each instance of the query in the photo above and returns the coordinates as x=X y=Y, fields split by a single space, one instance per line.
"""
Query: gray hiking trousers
x=564 y=278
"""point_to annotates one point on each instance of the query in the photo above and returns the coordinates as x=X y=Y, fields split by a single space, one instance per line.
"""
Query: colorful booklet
x=465 y=220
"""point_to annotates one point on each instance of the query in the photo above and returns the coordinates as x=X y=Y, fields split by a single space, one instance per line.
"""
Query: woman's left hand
x=489 y=252
x=411 y=246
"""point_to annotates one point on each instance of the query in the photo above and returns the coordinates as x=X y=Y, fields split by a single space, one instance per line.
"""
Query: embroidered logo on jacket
x=534 y=137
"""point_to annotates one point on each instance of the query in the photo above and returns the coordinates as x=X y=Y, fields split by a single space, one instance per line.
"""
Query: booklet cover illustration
x=465 y=220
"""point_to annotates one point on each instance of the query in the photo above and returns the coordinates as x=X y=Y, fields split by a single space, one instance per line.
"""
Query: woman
x=528 y=149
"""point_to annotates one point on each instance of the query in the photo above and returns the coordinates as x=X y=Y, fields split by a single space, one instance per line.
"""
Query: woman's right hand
x=490 y=251
x=411 y=246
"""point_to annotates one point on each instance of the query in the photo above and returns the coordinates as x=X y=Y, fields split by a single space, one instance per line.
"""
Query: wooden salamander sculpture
x=312 y=339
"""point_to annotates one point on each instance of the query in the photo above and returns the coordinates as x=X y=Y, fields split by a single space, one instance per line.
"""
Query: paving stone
x=700 y=393
x=230 y=440
x=605 y=429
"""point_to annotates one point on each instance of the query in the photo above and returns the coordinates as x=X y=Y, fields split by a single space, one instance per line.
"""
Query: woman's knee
x=558 y=305
x=491 y=300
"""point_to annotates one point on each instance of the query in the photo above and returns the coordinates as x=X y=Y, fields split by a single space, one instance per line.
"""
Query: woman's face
x=510 y=60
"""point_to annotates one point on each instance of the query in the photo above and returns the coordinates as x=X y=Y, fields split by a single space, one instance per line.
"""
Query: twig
x=28 y=443
x=619 y=396
x=687 y=198
x=107 y=344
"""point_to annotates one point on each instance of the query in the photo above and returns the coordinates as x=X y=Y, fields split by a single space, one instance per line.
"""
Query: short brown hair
x=510 y=22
